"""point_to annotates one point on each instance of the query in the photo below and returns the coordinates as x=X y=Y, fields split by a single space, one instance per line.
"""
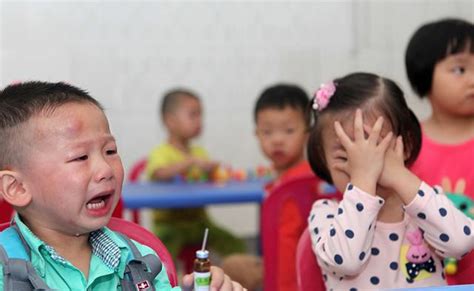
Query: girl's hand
x=219 y=282
x=396 y=176
x=394 y=164
x=365 y=157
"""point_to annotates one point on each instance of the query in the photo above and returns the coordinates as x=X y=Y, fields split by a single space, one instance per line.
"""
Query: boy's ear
x=13 y=190
x=168 y=120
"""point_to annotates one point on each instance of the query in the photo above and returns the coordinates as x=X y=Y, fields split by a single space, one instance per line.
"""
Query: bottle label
x=202 y=281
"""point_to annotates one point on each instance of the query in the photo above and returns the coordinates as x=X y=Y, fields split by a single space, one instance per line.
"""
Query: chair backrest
x=302 y=190
x=308 y=273
x=6 y=211
x=143 y=236
x=465 y=271
x=136 y=170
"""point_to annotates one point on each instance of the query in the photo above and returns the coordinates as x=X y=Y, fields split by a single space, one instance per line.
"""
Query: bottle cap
x=202 y=254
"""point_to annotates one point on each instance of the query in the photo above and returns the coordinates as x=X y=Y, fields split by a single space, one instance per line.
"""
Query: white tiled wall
x=128 y=53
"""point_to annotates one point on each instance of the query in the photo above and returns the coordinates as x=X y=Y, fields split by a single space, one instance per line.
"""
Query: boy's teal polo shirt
x=108 y=261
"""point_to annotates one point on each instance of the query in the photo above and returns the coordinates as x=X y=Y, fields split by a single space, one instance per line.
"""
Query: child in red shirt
x=282 y=131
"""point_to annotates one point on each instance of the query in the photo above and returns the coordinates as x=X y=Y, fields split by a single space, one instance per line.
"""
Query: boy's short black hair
x=19 y=102
x=371 y=93
x=430 y=44
x=280 y=96
x=171 y=99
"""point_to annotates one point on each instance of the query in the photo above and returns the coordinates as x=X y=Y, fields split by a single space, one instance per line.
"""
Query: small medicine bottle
x=202 y=271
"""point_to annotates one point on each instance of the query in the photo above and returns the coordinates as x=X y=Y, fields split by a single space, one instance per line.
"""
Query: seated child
x=282 y=127
x=391 y=229
x=282 y=131
x=181 y=115
x=440 y=66
x=61 y=171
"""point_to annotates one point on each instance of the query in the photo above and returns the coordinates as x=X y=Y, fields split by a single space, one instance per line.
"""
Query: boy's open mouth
x=98 y=202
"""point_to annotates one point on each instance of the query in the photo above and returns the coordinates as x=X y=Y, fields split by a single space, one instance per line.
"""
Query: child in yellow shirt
x=181 y=114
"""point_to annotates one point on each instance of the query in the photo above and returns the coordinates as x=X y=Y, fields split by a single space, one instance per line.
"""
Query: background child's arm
x=342 y=233
x=169 y=172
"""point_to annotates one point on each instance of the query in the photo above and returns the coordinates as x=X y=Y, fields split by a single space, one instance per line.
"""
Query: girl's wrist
x=407 y=186
x=367 y=185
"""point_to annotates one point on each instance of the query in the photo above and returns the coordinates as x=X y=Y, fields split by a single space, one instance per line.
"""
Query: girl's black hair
x=370 y=93
x=432 y=43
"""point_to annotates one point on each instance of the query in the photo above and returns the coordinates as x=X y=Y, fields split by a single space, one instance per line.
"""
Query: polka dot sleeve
x=445 y=228
x=342 y=233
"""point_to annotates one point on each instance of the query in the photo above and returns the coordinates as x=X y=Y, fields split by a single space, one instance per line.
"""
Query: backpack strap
x=141 y=270
x=18 y=272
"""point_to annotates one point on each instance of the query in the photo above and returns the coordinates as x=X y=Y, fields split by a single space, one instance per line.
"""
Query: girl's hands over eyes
x=365 y=156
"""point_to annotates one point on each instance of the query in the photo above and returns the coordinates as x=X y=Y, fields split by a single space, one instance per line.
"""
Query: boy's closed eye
x=80 y=158
x=111 y=152
x=265 y=132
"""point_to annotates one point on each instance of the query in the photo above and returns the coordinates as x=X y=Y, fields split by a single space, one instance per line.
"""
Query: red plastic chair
x=465 y=272
x=307 y=269
x=302 y=190
x=143 y=236
x=6 y=211
x=136 y=170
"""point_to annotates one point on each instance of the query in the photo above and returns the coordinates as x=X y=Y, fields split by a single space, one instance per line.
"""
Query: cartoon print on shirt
x=417 y=258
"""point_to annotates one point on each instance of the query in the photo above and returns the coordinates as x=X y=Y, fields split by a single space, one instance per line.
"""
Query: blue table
x=162 y=195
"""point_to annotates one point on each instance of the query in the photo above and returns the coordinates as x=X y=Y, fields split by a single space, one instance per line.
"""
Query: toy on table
x=220 y=174
x=196 y=175
x=224 y=174
x=466 y=205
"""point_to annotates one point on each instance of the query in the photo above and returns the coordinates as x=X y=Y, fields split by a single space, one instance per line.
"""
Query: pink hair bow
x=323 y=95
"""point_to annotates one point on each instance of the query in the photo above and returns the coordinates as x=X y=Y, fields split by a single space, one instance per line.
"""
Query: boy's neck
x=449 y=129
x=74 y=248
x=179 y=142
x=282 y=171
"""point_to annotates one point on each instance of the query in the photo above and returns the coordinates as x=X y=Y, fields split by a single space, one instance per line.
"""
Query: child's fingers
x=341 y=134
x=375 y=132
x=399 y=146
x=386 y=141
x=358 y=125
x=188 y=281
